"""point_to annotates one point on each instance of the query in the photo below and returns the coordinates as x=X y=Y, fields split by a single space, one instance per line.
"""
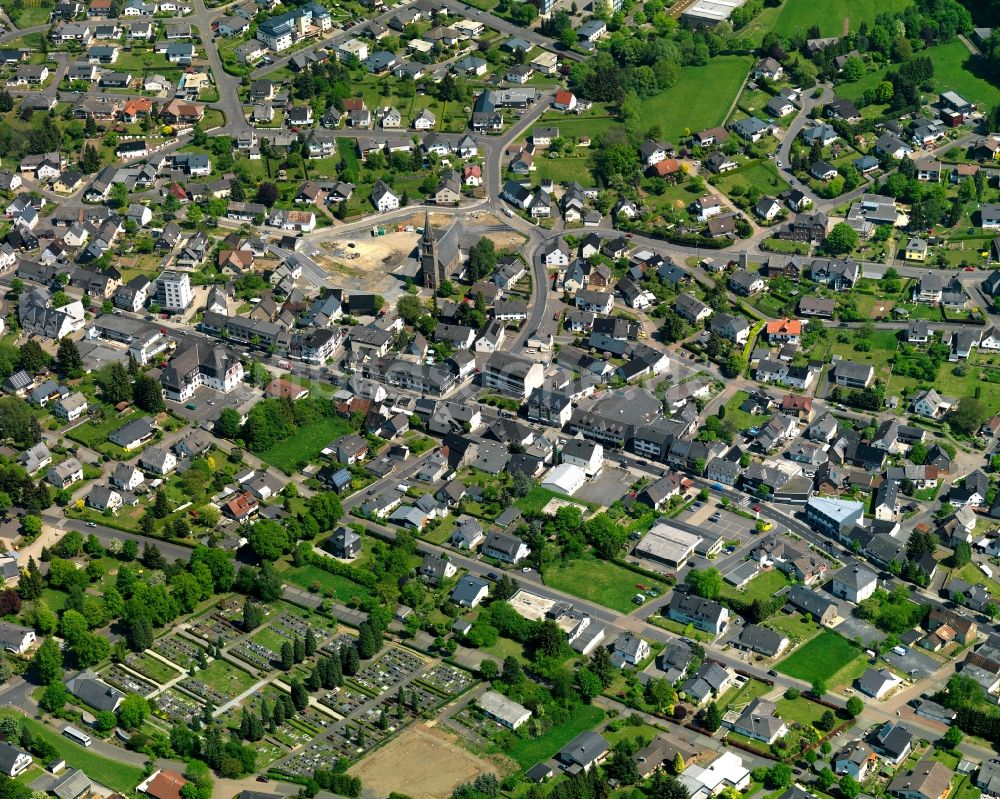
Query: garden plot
x=388 y=670
x=178 y=650
x=176 y=707
x=128 y=682
x=448 y=680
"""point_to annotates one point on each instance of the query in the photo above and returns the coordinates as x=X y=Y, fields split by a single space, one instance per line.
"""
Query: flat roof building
x=668 y=544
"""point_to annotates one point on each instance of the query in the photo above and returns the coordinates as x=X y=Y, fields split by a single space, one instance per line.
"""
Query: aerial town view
x=500 y=399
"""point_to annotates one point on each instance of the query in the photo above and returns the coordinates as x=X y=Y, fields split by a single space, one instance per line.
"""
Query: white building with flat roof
x=710 y=12
x=668 y=544
x=504 y=711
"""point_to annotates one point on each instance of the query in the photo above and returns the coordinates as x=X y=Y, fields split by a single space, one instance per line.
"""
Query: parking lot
x=915 y=663
x=729 y=524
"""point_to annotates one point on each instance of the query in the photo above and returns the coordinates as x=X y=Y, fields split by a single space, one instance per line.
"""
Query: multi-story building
x=173 y=291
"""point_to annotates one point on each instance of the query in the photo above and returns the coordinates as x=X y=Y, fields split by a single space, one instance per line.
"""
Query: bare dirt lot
x=423 y=762
x=367 y=263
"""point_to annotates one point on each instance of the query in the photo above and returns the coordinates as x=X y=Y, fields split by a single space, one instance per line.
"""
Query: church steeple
x=429 y=266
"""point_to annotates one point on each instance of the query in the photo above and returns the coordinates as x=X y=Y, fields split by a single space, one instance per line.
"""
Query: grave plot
x=448 y=680
x=345 y=700
x=151 y=667
x=128 y=682
x=256 y=655
x=388 y=670
x=321 y=753
x=219 y=683
x=176 y=707
x=213 y=629
x=178 y=650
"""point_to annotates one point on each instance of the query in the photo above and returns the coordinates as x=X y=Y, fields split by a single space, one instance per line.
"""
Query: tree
x=712 y=718
x=54 y=697
x=706 y=583
x=963 y=554
x=148 y=394
x=132 y=712
x=855 y=706
x=16 y=421
x=968 y=416
x=253 y=616
x=952 y=737
x=115 y=383
x=849 y=787
x=287 y=656
x=31 y=357
x=818 y=687
x=229 y=423
x=68 y=360
x=603 y=666
x=841 y=239
x=48 y=662
x=267 y=194
x=779 y=776
x=482 y=259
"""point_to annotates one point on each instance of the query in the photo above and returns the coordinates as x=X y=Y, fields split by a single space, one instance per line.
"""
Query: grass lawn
x=539 y=497
x=956 y=69
x=763 y=175
x=118 y=776
x=742 y=695
x=798 y=16
x=528 y=751
x=30 y=17
x=574 y=127
x=152 y=667
x=599 y=581
x=225 y=678
x=702 y=109
x=334 y=585
x=505 y=647
x=306 y=443
x=763 y=586
x=565 y=170
x=800 y=710
x=964 y=789
x=742 y=419
x=795 y=626
x=55 y=599
x=93 y=434
x=821 y=658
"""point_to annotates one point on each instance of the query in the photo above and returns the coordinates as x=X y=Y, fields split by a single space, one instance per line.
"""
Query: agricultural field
x=828 y=656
